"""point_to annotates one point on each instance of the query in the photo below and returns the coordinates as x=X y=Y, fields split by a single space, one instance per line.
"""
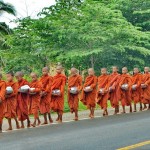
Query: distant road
x=107 y=133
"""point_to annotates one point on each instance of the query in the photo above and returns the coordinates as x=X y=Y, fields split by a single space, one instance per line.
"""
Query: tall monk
x=2 y=98
x=146 y=87
x=114 y=89
x=34 y=97
x=75 y=81
x=46 y=81
x=103 y=90
x=136 y=88
x=10 y=101
x=22 y=100
x=58 y=90
x=125 y=84
x=88 y=96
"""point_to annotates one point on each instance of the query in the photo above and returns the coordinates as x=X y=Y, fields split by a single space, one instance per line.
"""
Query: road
x=107 y=133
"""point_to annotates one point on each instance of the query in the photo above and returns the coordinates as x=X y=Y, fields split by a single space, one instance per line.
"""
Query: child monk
x=10 y=101
x=88 y=96
x=2 y=98
x=46 y=82
x=125 y=89
x=146 y=87
x=114 y=94
x=75 y=81
x=57 y=101
x=136 y=88
x=22 y=100
x=34 y=98
x=103 y=90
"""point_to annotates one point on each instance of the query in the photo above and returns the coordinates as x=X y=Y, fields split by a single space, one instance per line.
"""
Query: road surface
x=107 y=133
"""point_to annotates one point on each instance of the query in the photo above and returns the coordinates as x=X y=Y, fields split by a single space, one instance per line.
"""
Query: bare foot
x=33 y=125
x=17 y=126
x=123 y=112
x=75 y=119
x=9 y=129
x=28 y=124
x=134 y=111
x=22 y=127
x=51 y=121
x=39 y=123
x=44 y=123
x=57 y=119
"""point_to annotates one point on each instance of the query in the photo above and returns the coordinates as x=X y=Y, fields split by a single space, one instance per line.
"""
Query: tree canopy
x=90 y=33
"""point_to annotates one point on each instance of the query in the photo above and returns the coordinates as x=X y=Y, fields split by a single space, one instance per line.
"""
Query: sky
x=25 y=8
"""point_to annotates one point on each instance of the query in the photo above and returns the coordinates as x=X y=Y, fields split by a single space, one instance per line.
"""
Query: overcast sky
x=25 y=8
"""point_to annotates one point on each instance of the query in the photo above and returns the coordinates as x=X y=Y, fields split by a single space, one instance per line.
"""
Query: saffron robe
x=146 y=91
x=57 y=102
x=35 y=98
x=10 y=102
x=103 y=83
x=89 y=98
x=73 y=99
x=125 y=94
x=2 y=97
x=46 y=82
x=22 y=102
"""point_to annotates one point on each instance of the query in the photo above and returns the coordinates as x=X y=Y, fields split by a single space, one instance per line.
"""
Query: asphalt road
x=107 y=133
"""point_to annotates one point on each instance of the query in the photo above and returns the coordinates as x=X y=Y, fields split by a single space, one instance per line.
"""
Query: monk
x=88 y=95
x=2 y=98
x=136 y=88
x=114 y=89
x=22 y=100
x=145 y=86
x=10 y=101
x=125 y=91
x=58 y=90
x=75 y=80
x=34 y=98
x=103 y=90
x=46 y=81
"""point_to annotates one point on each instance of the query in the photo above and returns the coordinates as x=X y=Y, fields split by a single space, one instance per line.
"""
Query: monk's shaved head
x=124 y=70
x=59 y=69
x=136 y=70
x=74 y=71
x=34 y=76
x=91 y=71
x=45 y=71
x=19 y=74
x=146 y=69
x=46 y=68
x=103 y=70
x=114 y=69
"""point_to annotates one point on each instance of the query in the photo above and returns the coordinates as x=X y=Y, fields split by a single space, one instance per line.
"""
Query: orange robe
x=125 y=95
x=2 y=97
x=10 y=102
x=146 y=92
x=89 y=98
x=35 y=98
x=57 y=102
x=46 y=82
x=136 y=94
x=103 y=83
x=73 y=99
x=22 y=102
x=114 y=95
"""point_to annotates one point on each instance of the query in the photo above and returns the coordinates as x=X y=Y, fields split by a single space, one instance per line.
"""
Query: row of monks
x=47 y=94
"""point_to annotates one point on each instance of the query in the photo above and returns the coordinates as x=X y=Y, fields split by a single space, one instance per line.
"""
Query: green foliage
x=91 y=33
